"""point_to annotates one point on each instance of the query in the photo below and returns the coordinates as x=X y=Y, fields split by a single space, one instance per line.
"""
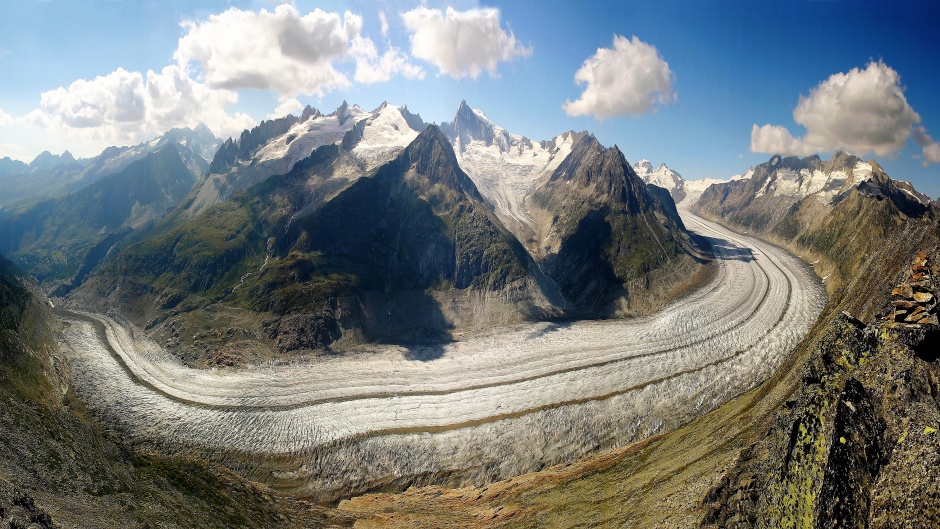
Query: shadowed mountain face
x=419 y=221
x=58 y=466
x=607 y=227
x=411 y=250
x=61 y=240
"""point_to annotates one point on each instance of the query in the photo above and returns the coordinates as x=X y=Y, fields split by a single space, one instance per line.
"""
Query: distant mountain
x=663 y=177
x=46 y=161
x=505 y=166
x=761 y=201
x=9 y=166
x=61 y=239
x=807 y=204
x=682 y=191
x=273 y=147
x=50 y=176
x=579 y=209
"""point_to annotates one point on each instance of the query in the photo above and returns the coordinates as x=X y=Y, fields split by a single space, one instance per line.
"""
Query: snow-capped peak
x=662 y=176
x=503 y=165
x=643 y=167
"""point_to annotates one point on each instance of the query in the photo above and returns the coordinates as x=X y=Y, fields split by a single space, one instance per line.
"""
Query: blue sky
x=714 y=69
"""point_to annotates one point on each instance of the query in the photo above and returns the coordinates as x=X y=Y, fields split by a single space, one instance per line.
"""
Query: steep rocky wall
x=857 y=444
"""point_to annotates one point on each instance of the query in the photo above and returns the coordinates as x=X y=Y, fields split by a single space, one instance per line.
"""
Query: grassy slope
x=59 y=468
x=662 y=482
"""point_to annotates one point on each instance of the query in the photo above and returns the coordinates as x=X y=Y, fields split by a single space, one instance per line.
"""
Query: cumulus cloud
x=629 y=78
x=128 y=107
x=775 y=139
x=930 y=149
x=5 y=119
x=287 y=52
x=282 y=51
x=862 y=111
x=461 y=43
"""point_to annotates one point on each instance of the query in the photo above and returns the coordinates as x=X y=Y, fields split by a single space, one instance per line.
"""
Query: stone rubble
x=914 y=300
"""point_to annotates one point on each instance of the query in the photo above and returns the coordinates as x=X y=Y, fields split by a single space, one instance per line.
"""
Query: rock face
x=914 y=301
x=606 y=227
x=58 y=467
x=857 y=445
x=380 y=233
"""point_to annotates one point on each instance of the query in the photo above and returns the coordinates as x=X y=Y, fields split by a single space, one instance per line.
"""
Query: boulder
x=903 y=290
x=922 y=297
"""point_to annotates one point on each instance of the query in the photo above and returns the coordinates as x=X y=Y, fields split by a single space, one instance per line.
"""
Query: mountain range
x=318 y=232
x=330 y=230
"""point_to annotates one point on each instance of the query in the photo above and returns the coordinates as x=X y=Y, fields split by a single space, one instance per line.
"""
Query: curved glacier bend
x=496 y=405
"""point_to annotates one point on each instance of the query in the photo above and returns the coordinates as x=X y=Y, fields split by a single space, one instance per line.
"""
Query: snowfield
x=487 y=407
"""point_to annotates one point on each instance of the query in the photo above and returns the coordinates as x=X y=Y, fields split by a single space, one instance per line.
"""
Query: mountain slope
x=62 y=239
x=273 y=147
x=815 y=207
x=600 y=228
x=58 y=467
x=309 y=258
x=51 y=176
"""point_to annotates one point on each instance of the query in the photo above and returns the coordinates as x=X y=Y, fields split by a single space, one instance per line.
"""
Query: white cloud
x=288 y=106
x=287 y=52
x=629 y=78
x=372 y=68
x=174 y=99
x=127 y=107
x=280 y=51
x=5 y=119
x=861 y=111
x=462 y=43
x=774 y=139
x=929 y=147
x=384 y=21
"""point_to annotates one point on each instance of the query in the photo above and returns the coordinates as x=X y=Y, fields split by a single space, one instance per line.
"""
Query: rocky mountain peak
x=344 y=112
x=469 y=125
x=431 y=155
x=309 y=113
x=590 y=163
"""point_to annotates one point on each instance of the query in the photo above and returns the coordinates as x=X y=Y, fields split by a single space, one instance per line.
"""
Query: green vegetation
x=58 y=466
x=61 y=239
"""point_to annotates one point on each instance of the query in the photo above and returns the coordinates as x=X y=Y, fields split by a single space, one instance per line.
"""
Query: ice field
x=487 y=407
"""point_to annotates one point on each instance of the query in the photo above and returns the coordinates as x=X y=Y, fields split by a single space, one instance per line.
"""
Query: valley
x=482 y=407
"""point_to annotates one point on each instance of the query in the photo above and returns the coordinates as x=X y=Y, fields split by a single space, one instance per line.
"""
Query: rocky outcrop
x=856 y=445
x=914 y=301
x=22 y=511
